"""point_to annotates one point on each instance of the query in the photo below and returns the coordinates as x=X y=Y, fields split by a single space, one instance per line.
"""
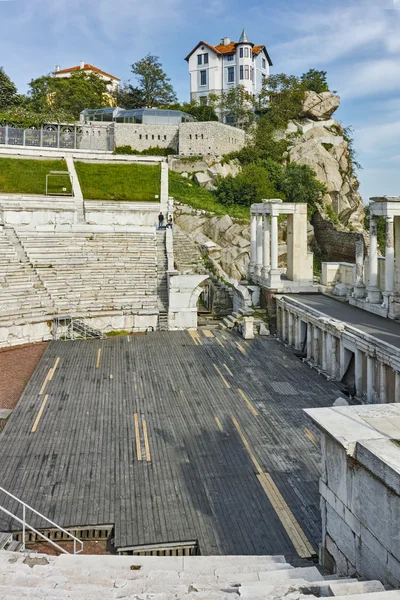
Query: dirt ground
x=89 y=547
x=16 y=368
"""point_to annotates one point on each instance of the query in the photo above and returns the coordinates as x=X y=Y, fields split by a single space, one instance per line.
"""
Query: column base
x=252 y=267
x=359 y=291
x=258 y=270
x=374 y=295
x=265 y=272
x=274 y=278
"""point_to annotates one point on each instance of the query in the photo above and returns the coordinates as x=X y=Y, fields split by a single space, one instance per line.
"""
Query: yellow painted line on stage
x=283 y=512
x=286 y=517
x=219 y=342
x=98 y=358
x=228 y=369
x=310 y=435
x=208 y=333
x=195 y=337
x=47 y=378
x=225 y=338
x=222 y=377
x=129 y=339
x=249 y=404
x=242 y=350
x=219 y=425
x=247 y=343
x=39 y=415
x=53 y=370
x=146 y=441
x=137 y=436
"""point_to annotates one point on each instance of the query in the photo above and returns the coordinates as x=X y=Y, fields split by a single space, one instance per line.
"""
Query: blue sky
x=356 y=41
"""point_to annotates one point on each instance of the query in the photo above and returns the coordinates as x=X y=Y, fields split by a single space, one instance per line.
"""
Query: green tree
x=315 y=81
x=153 y=82
x=68 y=96
x=298 y=183
x=201 y=112
x=236 y=106
x=251 y=185
x=129 y=97
x=281 y=99
x=8 y=92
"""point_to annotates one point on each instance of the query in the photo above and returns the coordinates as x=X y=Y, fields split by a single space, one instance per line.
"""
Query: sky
x=356 y=41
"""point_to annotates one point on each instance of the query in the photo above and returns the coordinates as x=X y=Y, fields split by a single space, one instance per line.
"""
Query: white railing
x=77 y=543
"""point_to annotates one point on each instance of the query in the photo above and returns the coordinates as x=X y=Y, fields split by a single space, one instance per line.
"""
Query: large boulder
x=202 y=179
x=326 y=168
x=320 y=107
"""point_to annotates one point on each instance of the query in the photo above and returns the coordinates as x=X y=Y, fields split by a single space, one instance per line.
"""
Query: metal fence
x=59 y=136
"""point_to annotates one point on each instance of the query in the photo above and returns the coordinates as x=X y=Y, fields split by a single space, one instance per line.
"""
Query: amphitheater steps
x=166 y=578
x=162 y=281
x=187 y=254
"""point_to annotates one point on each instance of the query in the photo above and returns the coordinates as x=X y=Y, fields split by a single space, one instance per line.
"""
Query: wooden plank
x=249 y=404
x=98 y=358
x=228 y=370
x=47 y=379
x=146 y=441
x=208 y=333
x=53 y=370
x=219 y=424
x=247 y=446
x=137 y=437
x=222 y=377
x=39 y=415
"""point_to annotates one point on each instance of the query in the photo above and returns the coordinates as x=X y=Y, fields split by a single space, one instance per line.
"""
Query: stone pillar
x=278 y=322
x=397 y=386
x=334 y=357
x=370 y=379
x=316 y=345
x=329 y=353
x=253 y=243
x=374 y=293
x=324 y=351
x=248 y=328
x=382 y=383
x=358 y=369
x=283 y=326
x=359 y=286
x=309 y=341
x=397 y=254
x=266 y=248
x=274 y=274
x=389 y=261
x=259 y=245
x=290 y=331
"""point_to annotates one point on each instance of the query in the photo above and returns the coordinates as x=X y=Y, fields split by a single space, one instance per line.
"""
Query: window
x=203 y=77
x=264 y=64
x=241 y=52
x=246 y=53
x=252 y=73
x=246 y=72
x=205 y=58
x=202 y=136
x=231 y=74
x=199 y=59
x=147 y=137
x=159 y=137
x=241 y=71
x=203 y=100
x=229 y=57
x=152 y=137
x=165 y=138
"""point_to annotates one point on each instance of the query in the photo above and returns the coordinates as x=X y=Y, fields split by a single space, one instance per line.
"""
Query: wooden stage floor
x=172 y=437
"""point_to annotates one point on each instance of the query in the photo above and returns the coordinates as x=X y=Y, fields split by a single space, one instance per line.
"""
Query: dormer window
x=264 y=63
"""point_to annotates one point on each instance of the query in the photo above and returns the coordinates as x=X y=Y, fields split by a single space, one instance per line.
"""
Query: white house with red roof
x=217 y=69
x=113 y=82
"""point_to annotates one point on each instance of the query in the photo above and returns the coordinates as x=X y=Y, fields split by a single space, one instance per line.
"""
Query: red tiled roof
x=87 y=67
x=229 y=49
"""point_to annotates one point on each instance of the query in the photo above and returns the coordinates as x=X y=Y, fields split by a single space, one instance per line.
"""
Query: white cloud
x=371 y=78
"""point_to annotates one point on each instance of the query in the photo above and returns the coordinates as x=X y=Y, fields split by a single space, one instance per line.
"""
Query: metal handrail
x=26 y=525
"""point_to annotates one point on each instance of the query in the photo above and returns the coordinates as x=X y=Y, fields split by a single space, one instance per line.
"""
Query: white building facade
x=217 y=69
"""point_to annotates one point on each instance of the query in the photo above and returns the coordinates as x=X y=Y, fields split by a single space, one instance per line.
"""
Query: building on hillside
x=112 y=81
x=145 y=116
x=218 y=69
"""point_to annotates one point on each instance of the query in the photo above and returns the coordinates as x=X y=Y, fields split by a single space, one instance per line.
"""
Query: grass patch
x=188 y=192
x=138 y=183
x=117 y=333
x=24 y=176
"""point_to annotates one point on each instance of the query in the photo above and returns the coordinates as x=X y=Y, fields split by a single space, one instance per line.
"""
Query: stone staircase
x=187 y=254
x=162 y=282
x=166 y=578
x=8 y=543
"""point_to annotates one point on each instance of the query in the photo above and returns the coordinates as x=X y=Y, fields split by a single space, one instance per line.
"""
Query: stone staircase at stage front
x=80 y=577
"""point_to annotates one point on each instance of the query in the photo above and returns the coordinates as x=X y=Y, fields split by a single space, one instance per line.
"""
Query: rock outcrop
x=319 y=141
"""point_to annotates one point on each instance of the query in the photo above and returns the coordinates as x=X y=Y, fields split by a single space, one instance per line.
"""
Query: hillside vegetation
x=138 y=183
x=24 y=176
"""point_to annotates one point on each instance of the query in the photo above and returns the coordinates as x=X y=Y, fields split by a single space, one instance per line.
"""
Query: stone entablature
x=263 y=267
x=360 y=490
x=329 y=345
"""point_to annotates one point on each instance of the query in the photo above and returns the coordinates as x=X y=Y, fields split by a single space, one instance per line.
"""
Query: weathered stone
x=264 y=329
x=202 y=179
x=320 y=106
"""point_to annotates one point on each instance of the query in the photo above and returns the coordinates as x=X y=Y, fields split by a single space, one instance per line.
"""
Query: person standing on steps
x=160 y=220
x=169 y=224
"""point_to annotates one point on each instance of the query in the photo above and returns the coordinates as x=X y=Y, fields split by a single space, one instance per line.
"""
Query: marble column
x=278 y=322
x=329 y=339
x=316 y=345
x=253 y=243
x=334 y=367
x=382 y=383
x=309 y=340
x=389 y=261
x=284 y=325
x=324 y=351
x=274 y=274
x=358 y=371
x=259 y=245
x=359 y=287
x=266 y=247
x=291 y=337
x=370 y=379
x=374 y=294
x=397 y=386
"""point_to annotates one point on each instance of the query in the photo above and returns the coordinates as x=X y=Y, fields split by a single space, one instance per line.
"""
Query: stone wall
x=209 y=138
x=360 y=490
x=338 y=245
x=141 y=137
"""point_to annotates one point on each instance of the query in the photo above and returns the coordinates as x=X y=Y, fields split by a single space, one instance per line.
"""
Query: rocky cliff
x=318 y=140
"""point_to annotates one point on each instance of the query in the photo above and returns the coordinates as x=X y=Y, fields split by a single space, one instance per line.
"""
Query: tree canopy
x=152 y=82
x=8 y=92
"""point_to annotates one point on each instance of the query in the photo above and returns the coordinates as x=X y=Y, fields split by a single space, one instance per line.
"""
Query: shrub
x=299 y=184
x=250 y=186
x=154 y=151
